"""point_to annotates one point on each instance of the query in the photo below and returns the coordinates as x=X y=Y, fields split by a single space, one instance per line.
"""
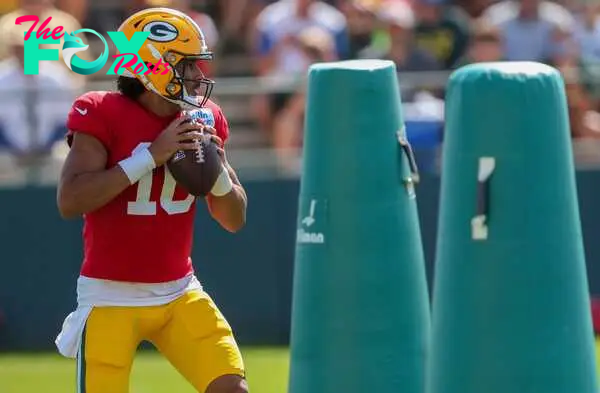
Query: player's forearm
x=230 y=209
x=85 y=192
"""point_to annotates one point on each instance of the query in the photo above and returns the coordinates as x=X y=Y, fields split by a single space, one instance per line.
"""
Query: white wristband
x=223 y=185
x=139 y=164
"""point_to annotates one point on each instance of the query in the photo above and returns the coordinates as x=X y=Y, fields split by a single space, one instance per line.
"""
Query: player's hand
x=219 y=142
x=181 y=134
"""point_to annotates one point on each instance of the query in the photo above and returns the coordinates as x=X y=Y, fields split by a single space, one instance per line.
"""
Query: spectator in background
x=485 y=44
x=534 y=30
x=235 y=24
x=587 y=30
x=34 y=107
x=442 y=30
x=474 y=8
x=77 y=8
x=583 y=117
x=317 y=45
x=587 y=36
x=279 y=24
x=399 y=21
x=362 y=26
x=279 y=51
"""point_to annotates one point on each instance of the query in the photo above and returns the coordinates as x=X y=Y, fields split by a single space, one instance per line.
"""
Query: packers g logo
x=74 y=45
x=160 y=31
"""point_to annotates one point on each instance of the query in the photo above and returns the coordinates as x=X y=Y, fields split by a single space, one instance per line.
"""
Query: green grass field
x=49 y=373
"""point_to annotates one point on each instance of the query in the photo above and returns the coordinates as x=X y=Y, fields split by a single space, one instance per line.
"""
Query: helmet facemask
x=189 y=86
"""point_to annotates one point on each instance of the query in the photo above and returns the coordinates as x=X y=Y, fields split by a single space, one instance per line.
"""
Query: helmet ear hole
x=175 y=90
x=171 y=58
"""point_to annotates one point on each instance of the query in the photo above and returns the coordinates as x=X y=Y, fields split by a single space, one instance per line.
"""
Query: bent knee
x=228 y=384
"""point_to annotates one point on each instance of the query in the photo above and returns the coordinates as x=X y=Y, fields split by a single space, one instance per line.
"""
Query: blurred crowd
x=281 y=38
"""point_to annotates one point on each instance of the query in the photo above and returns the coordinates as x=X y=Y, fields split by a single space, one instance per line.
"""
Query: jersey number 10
x=143 y=206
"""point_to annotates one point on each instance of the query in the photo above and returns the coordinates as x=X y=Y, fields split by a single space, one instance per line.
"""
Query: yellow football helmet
x=173 y=38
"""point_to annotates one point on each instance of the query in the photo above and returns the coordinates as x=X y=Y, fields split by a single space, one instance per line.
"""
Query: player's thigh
x=198 y=341
x=108 y=346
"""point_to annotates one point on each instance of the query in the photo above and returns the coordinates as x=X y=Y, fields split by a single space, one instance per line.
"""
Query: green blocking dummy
x=360 y=319
x=510 y=303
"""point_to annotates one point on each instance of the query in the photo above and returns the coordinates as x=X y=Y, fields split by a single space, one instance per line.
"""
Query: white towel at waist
x=93 y=292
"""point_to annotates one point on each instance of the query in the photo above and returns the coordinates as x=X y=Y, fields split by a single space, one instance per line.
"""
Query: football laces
x=200 y=150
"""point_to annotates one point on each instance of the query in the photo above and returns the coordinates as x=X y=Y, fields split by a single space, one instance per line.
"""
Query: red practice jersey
x=145 y=234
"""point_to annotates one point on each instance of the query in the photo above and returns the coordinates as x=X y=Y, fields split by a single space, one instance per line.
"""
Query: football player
x=137 y=281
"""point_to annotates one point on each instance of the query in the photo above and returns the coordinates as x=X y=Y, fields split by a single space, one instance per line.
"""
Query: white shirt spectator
x=588 y=38
x=33 y=107
x=548 y=11
x=279 y=21
x=530 y=39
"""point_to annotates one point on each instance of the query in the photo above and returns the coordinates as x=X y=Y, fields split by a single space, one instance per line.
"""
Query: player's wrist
x=158 y=156
x=137 y=165
x=223 y=185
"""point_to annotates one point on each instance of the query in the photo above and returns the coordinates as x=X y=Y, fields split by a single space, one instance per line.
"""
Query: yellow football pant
x=190 y=332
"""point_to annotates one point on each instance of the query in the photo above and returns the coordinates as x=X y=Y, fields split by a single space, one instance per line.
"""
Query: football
x=197 y=170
